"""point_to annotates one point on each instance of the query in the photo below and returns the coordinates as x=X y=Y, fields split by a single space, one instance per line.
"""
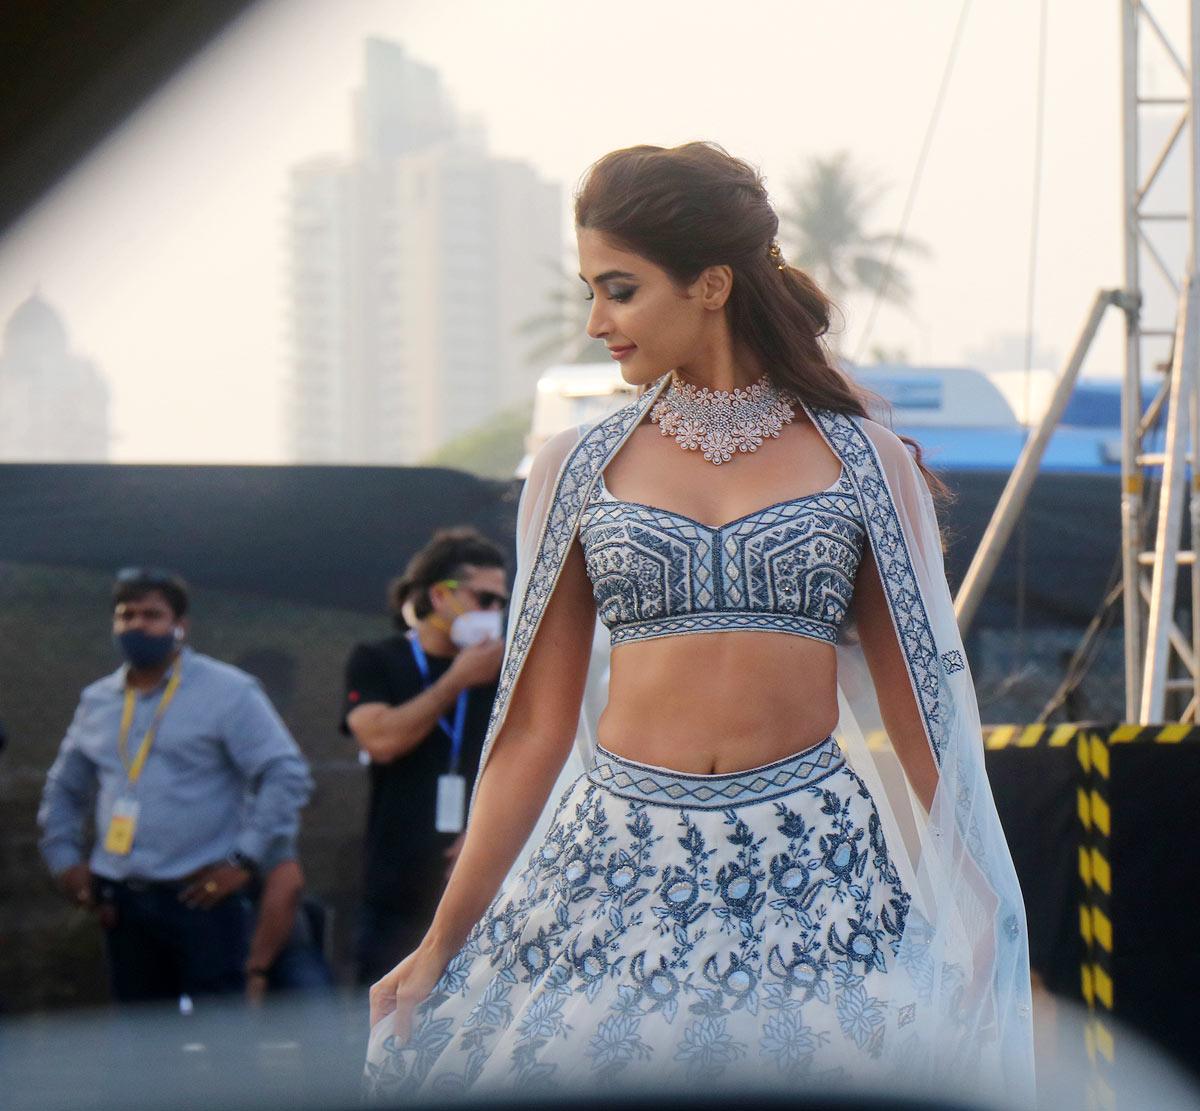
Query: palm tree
x=823 y=225
x=560 y=332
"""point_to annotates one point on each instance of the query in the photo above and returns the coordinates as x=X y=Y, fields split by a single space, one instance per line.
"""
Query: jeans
x=159 y=949
x=301 y=965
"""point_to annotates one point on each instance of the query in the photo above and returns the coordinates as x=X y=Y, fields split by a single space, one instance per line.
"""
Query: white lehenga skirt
x=675 y=929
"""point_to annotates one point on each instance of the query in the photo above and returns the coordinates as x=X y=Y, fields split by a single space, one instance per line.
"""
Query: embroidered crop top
x=786 y=568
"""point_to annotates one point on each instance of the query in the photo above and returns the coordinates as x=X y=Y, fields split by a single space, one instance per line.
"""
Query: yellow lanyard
x=134 y=770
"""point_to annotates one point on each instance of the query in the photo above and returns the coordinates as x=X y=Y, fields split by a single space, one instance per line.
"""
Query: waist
x=760 y=695
x=641 y=782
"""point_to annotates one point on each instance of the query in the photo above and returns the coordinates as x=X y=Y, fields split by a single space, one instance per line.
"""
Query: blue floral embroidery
x=784 y=907
x=790 y=1044
x=689 y=941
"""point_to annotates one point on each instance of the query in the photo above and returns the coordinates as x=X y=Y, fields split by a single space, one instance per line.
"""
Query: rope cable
x=914 y=184
x=1039 y=132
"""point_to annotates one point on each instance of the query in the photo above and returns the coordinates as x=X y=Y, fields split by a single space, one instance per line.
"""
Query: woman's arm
x=526 y=758
x=893 y=687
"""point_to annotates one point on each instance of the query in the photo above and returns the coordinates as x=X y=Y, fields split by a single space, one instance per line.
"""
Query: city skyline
x=53 y=402
x=165 y=249
x=412 y=265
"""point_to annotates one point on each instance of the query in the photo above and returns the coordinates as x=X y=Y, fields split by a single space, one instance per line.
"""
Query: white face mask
x=476 y=626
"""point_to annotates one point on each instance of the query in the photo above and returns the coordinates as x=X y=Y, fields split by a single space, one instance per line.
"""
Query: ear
x=714 y=286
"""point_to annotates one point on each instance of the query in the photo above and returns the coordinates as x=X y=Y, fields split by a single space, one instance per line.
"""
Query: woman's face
x=650 y=325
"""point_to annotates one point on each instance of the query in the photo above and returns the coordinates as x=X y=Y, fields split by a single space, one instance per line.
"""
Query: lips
x=621 y=352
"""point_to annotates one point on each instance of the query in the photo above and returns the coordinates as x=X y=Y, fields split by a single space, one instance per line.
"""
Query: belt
x=139 y=886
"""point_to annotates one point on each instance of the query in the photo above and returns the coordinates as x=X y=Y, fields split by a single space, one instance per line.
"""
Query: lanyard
x=460 y=708
x=134 y=770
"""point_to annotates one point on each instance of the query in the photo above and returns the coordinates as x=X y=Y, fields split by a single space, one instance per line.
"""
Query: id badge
x=451 y=801
x=121 y=827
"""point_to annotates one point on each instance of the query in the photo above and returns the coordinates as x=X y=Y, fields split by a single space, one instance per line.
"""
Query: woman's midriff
x=712 y=703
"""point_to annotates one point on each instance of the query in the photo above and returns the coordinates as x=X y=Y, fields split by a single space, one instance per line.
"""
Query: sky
x=164 y=250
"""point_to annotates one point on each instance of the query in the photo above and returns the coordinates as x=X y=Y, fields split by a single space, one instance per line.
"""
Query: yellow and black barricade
x=1100 y=820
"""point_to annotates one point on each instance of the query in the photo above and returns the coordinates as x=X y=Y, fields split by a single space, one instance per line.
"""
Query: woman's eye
x=618 y=295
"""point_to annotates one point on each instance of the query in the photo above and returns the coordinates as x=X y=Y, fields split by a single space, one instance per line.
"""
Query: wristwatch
x=241 y=860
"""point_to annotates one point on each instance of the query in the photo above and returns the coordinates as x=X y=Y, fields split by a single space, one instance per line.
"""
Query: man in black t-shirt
x=418 y=705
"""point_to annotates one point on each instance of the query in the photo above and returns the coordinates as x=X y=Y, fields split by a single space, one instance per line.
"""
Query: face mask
x=476 y=626
x=144 y=651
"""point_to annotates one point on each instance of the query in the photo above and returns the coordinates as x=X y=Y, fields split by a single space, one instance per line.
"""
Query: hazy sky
x=164 y=250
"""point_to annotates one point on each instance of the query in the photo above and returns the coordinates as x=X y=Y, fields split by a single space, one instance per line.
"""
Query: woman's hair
x=447 y=556
x=690 y=207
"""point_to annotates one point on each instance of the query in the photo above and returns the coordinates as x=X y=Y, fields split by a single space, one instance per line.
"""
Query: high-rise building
x=413 y=265
x=53 y=405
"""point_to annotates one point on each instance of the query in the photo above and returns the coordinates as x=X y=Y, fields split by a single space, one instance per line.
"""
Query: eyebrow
x=608 y=276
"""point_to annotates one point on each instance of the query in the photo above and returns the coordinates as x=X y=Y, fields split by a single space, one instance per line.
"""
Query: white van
x=578 y=393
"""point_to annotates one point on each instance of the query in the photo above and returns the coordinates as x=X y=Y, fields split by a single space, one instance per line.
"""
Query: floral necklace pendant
x=720 y=423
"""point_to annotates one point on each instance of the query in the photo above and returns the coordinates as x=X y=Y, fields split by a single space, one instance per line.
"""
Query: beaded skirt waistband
x=665 y=787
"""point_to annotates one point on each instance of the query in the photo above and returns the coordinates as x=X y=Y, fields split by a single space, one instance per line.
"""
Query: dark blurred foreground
x=307 y=1052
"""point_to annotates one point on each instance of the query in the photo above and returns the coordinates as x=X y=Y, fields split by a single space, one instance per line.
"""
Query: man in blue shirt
x=164 y=752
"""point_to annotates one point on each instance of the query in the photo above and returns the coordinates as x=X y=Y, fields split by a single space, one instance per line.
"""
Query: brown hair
x=693 y=206
x=447 y=556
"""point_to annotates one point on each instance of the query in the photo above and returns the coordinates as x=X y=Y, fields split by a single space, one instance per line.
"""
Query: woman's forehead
x=597 y=253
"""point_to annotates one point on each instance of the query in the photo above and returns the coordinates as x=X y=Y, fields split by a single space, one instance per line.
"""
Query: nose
x=597 y=325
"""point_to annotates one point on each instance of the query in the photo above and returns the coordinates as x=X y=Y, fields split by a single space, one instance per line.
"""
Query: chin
x=639 y=376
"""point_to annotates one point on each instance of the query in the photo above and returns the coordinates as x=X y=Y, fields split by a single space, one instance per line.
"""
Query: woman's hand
x=402 y=989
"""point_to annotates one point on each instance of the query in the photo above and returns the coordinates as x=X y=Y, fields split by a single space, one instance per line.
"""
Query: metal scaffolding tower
x=1151 y=633
x=1162 y=676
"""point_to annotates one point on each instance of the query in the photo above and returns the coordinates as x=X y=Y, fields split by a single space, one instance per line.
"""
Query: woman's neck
x=722 y=367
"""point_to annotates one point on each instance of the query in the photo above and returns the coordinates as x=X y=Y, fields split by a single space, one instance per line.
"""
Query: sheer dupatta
x=960 y=1010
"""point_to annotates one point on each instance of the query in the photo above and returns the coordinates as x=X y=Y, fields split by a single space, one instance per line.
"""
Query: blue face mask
x=142 y=650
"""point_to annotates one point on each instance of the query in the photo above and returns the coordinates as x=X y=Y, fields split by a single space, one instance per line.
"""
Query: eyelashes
x=618 y=295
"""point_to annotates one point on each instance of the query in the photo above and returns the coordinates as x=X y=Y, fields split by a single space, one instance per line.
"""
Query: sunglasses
x=484 y=599
x=150 y=576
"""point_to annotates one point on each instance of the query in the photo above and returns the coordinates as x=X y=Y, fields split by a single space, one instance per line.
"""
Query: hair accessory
x=720 y=423
x=776 y=255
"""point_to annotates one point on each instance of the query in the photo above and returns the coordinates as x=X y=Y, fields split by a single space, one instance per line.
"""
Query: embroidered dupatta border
x=575 y=480
x=909 y=616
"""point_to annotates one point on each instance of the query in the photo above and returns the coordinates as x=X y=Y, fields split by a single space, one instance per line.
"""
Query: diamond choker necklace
x=720 y=423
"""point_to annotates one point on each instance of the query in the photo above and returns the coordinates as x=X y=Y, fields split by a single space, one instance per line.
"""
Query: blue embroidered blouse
x=787 y=568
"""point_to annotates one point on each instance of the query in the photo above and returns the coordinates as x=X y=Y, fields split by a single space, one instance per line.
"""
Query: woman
x=728 y=892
